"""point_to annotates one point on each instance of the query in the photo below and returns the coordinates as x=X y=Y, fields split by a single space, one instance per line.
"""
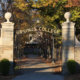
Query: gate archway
x=42 y=37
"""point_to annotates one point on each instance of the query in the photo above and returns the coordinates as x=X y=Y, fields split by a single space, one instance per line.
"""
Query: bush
x=25 y=53
x=4 y=66
x=71 y=65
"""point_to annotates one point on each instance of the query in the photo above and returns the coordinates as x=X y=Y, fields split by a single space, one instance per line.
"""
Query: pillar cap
x=8 y=16
x=67 y=16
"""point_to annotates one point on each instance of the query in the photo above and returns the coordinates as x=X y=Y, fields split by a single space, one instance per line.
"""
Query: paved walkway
x=35 y=69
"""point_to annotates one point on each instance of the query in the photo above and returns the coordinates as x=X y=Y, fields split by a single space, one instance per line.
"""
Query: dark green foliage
x=25 y=53
x=4 y=66
x=71 y=65
x=14 y=64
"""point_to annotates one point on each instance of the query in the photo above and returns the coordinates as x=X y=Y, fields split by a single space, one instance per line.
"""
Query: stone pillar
x=7 y=39
x=68 y=41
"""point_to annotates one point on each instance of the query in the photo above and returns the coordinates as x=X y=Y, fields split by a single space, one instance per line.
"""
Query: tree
x=50 y=12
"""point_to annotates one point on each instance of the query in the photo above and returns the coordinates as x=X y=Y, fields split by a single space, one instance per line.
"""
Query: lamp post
x=38 y=21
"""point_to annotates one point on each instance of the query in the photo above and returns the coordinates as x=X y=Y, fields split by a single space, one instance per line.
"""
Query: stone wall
x=77 y=54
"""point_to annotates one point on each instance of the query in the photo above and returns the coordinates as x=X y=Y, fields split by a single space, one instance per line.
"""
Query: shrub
x=25 y=53
x=4 y=66
x=17 y=67
x=71 y=65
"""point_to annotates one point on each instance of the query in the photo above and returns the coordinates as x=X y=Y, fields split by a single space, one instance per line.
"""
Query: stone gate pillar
x=68 y=41
x=6 y=39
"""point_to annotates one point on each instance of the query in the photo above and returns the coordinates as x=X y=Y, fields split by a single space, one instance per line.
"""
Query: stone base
x=6 y=52
x=64 y=69
x=77 y=54
x=68 y=54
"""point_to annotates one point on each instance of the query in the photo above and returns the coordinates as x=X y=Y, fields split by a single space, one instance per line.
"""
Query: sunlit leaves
x=21 y=4
x=75 y=13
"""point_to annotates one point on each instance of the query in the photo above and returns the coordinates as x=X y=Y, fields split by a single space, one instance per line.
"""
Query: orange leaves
x=20 y=15
x=24 y=25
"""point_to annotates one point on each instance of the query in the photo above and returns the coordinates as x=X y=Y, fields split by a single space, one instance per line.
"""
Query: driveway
x=35 y=69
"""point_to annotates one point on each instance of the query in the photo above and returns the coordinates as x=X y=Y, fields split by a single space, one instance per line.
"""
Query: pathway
x=35 y=69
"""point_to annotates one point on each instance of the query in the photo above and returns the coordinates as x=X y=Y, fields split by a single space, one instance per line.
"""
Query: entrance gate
x=9 y=43
x=70 y=45
x=42 y=37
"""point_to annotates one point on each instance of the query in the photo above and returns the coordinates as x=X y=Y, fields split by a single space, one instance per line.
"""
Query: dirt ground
x=57 y=69
x=73 y=77
x=70 y=77
x=10 y=77
x=6 y=77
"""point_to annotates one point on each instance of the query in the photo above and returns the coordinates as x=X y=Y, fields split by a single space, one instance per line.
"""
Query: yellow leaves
x=43 y=3
x=55 y=17
x=21 y=4
x=59 y=42
x=61 y=22
x=34 y=5
x=52 y=18
x=75 y=14
x=54 y=4
x=48 y=2
x=19 y=15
